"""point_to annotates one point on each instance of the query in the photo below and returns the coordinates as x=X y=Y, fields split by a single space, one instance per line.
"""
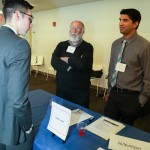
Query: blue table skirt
x=45 y=141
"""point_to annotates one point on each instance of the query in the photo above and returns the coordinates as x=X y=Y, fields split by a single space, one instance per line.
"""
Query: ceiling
x=41 y=5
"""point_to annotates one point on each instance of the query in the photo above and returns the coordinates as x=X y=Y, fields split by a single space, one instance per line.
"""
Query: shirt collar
x=129 y=40
x=132 y=37
x=10 y=28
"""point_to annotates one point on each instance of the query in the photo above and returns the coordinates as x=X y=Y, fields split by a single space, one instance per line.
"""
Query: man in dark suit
x=16 y=129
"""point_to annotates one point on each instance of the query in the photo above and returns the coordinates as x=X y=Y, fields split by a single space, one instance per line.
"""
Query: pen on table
x=110 y=122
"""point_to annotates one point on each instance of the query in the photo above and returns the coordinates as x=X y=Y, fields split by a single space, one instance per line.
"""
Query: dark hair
x=10 y=6
x=134 y=14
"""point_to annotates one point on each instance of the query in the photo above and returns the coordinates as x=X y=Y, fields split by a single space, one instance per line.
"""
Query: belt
x=119 y=90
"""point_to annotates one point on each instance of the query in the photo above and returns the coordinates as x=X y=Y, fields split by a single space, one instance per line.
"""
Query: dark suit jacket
x=15 y=110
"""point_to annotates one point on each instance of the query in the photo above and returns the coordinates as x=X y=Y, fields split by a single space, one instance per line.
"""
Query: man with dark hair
x=16 y=129
x=129 y=73
x=73 y=61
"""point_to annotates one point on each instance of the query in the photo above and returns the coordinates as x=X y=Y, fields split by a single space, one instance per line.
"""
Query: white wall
x=101 y=21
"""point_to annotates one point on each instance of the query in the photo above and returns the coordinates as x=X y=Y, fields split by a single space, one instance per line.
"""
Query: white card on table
x=59 y=120
x=118 y=142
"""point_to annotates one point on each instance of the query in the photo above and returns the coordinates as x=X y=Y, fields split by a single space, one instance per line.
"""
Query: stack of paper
x=104 y=127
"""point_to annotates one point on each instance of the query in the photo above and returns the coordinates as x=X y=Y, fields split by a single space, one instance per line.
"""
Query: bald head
x=79 y=23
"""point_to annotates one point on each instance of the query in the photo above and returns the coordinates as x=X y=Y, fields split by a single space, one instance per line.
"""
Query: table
x=45 y=141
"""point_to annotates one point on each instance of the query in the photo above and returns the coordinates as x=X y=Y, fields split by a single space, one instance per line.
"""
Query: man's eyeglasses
x=31 y=17
x=77 y=29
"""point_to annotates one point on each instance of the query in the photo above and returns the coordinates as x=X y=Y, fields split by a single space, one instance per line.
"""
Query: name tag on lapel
x=70 y=49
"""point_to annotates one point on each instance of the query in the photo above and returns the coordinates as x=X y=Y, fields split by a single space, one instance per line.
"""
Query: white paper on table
x=104 y=127
x=118 y=142
x=59 y=120
x=78 y=115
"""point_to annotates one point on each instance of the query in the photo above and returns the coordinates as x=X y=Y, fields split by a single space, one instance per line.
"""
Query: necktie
x=114 y=76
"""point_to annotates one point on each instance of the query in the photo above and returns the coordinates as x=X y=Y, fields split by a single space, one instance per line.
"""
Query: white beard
x=75 y=38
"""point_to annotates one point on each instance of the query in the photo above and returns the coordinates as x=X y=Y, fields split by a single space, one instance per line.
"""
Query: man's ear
x=136 y=24
x=83 y=31
x=17 y=14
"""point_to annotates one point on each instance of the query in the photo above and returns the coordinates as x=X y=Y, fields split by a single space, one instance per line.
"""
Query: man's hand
x=65 y=59
x=106 y=97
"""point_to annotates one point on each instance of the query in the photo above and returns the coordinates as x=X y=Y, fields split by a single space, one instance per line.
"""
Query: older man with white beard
x=73 y=59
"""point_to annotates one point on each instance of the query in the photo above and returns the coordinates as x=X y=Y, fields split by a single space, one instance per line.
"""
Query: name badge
x=120 y=67
x=70 y=49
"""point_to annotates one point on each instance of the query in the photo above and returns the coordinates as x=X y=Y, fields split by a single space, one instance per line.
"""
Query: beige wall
x=101 y=21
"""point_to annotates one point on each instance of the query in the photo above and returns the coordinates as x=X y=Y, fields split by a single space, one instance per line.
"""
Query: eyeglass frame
x=74 y=28
x=31 y=17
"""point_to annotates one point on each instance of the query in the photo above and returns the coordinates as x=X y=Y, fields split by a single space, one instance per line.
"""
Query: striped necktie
x=114 y=76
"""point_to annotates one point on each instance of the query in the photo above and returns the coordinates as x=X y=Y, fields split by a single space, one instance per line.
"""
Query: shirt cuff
x=29 y=131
